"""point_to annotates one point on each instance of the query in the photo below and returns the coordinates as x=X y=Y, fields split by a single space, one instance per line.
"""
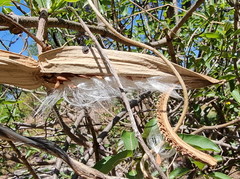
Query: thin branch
x=80 y=140
x=29 y=22
x=175 y=4
x=175 y=29
x=146 y=11
x=94 y=137
x=67 y=143
x=18 y=25
x=49 y=147
x=96 y=3
x=124 y=96
x=157 y=53
x=170 y=47
x=235 y=49
x=113 y=122
x=42 y=29
x=19 y=8
x=24 y=160
x=216 y=126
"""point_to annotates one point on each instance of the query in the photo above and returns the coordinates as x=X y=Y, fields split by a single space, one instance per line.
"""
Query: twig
x=80 y=140
x=19 y=8
x=6 y=47
x=113 y=122
x=94 y=137
x=67 y=143
x=175 y=29
x=216 y=126
x=51 y=148
x=124 y=97
x=175 y=4
x=96 y=3
x=225 y=144
x=170 y=47
x=139 y=44
x=42 y=29
x=23 y=159
x=11 y=21
x=146 y=11
x=29 y=22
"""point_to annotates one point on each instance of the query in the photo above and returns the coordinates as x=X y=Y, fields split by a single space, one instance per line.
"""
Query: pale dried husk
x=75 y=60
x=19 y=70
x=25 y=72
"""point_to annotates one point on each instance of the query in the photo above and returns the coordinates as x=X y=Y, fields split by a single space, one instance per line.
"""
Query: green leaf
x=200 y=165
x=11 y=102
x=236 y=95
x=4 y=118
x=228 y=77
x=219 y=175
x=237 y=32
x=108 y=163
x=227 y=26
x=44 y=3
x=178 y=172
x=5 y=3
x=150 y=127
x=6 y=10
x=211 y=35
x=219 y=158
x=135 y=173
x=200 y=142
x=129 y=140
x=211 y=10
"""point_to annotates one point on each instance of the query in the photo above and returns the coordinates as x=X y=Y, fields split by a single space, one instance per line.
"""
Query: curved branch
x=216 y=126
x=32 y=22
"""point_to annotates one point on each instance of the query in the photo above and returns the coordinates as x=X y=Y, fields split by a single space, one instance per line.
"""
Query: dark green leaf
x=200 y=142
x=236 y=95
x=135 y=173
x=219 y=175
x=237 y=32
x=200 y=165
x=227 y=26
x=228 y=77
x=108 y=163
x=211 y=35
x=211 y=10
x=178 y=172
x=149 y=127
x=129 y=140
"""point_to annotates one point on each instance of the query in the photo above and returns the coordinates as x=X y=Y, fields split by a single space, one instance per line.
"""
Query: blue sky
x=7 y=38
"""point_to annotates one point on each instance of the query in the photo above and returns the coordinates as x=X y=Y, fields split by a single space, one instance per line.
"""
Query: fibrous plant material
x=174 y=139
x=86 y=92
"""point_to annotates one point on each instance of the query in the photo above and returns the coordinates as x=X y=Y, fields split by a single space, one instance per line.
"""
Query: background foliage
x=207 y=43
